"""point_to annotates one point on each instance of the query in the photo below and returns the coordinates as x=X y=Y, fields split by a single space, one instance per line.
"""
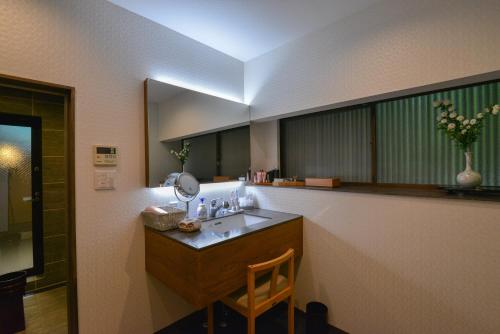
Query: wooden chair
x=259 y=296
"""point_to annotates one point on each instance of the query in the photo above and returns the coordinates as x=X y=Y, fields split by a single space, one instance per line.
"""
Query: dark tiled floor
x=271 y=322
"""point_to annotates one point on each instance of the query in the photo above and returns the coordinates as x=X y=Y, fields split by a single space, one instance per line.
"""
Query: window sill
x=427 y=191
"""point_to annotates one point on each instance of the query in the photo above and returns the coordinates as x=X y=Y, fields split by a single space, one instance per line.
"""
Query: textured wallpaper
x=106 y=53
x=391 y=46
x=381 y=264
x=396 y=265
x=387 y=264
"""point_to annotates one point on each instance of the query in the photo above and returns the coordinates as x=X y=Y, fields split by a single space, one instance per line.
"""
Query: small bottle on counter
x=202 y=210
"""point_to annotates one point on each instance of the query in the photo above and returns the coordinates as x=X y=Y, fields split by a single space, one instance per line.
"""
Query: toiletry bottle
x=237 y=200
x=202 y=209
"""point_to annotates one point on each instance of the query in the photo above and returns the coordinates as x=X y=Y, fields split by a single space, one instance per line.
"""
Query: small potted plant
x=183 y=154
x=464 y=132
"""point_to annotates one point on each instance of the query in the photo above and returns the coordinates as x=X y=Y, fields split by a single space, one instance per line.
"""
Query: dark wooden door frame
x=69 y=94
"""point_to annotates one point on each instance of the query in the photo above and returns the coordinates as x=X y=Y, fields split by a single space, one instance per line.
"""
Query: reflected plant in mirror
x=183 y=154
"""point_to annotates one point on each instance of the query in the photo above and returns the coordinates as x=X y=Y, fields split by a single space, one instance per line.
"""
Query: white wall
x=382 y=264
x=106 y=53
x=388 y=264
x=192 y=113
x=391 y=46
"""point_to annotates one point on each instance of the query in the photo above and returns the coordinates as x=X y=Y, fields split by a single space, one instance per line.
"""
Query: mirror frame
x=146 y=133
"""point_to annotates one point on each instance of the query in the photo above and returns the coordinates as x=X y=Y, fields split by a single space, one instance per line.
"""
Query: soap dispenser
x=202 y=209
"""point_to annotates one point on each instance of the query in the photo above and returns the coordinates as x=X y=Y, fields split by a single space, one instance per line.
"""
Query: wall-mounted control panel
x=105 y=155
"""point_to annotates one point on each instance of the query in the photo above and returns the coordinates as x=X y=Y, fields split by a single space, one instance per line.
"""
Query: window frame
x=373 y=130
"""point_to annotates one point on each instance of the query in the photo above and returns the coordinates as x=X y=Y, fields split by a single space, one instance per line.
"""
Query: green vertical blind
x=327 y=144
x=410 y=150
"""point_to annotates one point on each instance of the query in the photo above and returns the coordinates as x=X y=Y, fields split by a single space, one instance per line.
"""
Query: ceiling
x=244 y=29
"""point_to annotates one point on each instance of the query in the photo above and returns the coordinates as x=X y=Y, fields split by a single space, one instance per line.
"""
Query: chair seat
x=262 y=287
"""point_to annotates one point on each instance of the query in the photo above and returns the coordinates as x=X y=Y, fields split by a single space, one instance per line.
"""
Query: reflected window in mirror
x=234 y=152
x=220 y=156
x=216 y=128
x=202 y=161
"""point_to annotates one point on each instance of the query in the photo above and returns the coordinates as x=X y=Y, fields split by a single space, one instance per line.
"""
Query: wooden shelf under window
x=412 y=190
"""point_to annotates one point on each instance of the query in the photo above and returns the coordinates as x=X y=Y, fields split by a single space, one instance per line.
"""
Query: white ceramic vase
x=468 y=178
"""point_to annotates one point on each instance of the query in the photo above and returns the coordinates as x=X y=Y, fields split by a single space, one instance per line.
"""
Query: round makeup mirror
x=186 y=187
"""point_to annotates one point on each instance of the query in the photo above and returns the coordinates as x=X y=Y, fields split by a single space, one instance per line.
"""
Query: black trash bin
x=12 y=287
x=316 y=318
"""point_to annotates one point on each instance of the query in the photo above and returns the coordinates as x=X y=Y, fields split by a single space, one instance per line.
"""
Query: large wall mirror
x=215 y=130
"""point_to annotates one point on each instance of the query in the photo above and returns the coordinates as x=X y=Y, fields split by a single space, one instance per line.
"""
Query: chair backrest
x=220 y=178
x=274 y=295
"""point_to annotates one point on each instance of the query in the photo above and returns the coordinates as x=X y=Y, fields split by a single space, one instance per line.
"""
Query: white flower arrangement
x=495 y=109
x=460 y=129
x=183 y=154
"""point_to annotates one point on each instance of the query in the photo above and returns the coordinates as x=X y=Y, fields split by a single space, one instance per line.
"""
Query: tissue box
x=164 y=219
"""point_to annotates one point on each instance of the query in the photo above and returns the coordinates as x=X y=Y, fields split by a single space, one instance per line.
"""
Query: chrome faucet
x=214 y=208
x=218 y=210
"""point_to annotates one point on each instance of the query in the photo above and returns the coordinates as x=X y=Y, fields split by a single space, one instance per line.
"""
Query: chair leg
x=291 y=313
x=210 y=318
x=251 y=325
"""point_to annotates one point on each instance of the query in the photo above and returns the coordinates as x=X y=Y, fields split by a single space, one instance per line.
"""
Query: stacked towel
x=190 y=224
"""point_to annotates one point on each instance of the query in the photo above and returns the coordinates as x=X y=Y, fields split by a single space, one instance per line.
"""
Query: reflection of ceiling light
x=200 y=89
x=10 y=156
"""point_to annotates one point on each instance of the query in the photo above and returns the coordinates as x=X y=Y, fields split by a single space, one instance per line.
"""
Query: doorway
x=21 y=234
x=37 y=229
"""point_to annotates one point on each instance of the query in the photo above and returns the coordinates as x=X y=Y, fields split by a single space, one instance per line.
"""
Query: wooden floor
x=46 y=312
x=271 y=322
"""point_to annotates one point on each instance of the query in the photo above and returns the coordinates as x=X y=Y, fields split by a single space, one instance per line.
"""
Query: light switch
x=104 y=180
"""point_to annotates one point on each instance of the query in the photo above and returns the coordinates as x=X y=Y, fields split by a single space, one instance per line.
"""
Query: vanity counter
x=207 y=265
x=207 y=238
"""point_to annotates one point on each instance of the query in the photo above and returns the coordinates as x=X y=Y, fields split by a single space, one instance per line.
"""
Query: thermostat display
x=105 y=155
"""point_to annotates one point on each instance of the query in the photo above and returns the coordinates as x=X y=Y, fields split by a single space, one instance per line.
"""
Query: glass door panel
x=20 y=195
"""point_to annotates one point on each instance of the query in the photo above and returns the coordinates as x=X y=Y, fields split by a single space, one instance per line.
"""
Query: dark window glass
x=327 y=144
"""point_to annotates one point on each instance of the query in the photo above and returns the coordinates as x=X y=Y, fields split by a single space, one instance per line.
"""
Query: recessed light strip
x=204 y=90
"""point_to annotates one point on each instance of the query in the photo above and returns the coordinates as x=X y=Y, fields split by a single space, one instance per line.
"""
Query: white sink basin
x=230 y=223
